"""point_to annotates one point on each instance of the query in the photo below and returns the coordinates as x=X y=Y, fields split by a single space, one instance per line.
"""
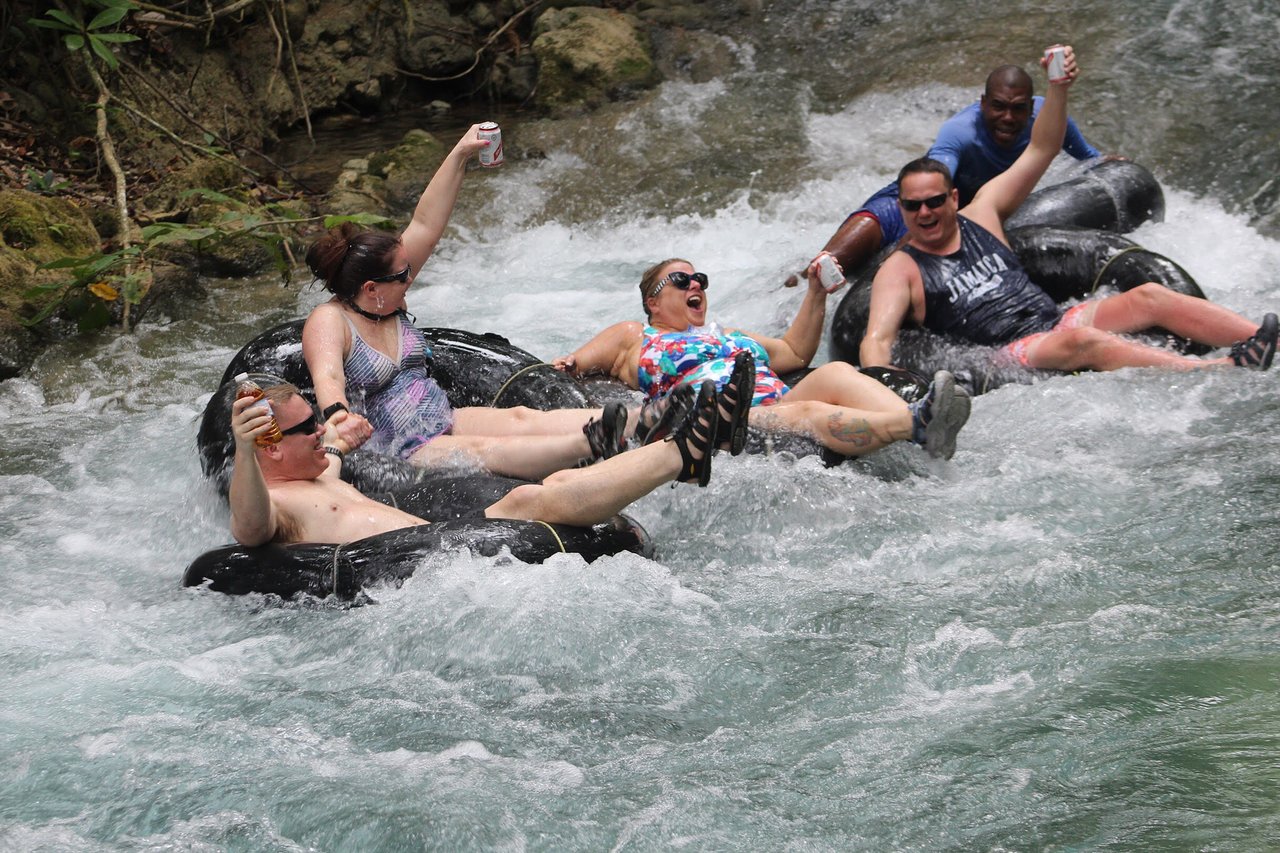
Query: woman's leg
x=850 y=413
x=840 y=407
x=528 y=457
x=520 y=420
x=841 y=384
x=591 y=495
x=847 y=431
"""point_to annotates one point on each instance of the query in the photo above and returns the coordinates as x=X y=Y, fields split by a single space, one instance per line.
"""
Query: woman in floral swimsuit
x=841 y=408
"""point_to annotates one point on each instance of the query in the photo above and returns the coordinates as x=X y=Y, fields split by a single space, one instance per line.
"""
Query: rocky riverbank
x=202 y=93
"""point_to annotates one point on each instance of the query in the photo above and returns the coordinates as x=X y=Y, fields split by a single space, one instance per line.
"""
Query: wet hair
x=281 y=393
x=1011 y=76
x=347 y=256
x=650 y=279
x=925 y=166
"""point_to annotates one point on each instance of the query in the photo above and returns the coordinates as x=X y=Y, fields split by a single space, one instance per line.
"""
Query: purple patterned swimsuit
x=403 y=404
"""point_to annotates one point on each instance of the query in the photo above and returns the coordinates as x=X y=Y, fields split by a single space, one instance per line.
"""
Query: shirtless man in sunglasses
x=292 y=492
x=957 y=275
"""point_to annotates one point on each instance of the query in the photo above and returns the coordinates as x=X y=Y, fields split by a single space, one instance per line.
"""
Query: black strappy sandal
x=607 y=436
x=696 y=433
x=659 y=415
x=1259 y=349
x=735 y=403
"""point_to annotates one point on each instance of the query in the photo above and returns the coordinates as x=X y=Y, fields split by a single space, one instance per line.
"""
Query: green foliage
x=92 y=283
x=373 y=220
x=98 y=34
x=46 y=184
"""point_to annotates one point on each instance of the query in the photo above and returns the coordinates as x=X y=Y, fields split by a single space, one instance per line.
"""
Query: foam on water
x=1064 y=636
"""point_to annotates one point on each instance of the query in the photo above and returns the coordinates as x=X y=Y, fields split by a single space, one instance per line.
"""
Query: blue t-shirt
x=966 y=147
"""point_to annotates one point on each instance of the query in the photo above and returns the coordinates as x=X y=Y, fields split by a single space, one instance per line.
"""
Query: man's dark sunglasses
x=307 y=427
x=401 y=277
x=933 y=202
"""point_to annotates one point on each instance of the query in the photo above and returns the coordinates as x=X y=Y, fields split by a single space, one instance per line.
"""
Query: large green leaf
x=107 y=17
x=62 y=18
x=104 y=52
x=359 y=219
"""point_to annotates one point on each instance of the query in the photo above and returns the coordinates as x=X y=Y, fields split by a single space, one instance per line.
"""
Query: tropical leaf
x=107 y=17
x=104 y=52
x=211 y=195
x=104 y=291
x=61 y=17
x=359 y=219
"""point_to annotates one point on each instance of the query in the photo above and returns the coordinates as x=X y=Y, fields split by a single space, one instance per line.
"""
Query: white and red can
x=1057 y=57
x=491 y=156
x=829 y=274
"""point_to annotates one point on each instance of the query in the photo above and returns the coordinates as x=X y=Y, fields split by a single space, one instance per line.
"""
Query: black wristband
x=336 y=407
x=329 y=448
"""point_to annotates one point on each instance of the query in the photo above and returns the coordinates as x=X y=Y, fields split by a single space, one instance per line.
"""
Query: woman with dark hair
x=368 y=358
x=842 y=409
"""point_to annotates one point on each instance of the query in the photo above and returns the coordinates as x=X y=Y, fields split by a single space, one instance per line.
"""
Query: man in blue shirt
x=976 y=144
x=956 y=275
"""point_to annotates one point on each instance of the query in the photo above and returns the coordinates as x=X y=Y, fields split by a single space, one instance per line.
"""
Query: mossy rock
x=407 y=169
x=34 y=229
x=587 y=56
x=203 y=173
x=357 y=190
x=45 y=228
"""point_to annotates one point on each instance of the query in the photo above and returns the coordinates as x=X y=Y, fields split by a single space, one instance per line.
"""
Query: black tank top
x=981 y=292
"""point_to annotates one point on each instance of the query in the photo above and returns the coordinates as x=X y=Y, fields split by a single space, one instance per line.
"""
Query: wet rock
x=514 y=78
x=695 y=55
x=406 y=169
x=587 y=56
x=436 y=43
x=673 y=13
x=173 y=191
x=357 y=191
x=34 y=229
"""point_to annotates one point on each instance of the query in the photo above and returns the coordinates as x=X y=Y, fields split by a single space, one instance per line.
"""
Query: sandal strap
x=735 y=402
x=697 y=431
x=660 y=414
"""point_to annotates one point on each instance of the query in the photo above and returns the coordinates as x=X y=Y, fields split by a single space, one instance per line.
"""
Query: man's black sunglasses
x=402 y=277
x=933 y=202
x=307 y=427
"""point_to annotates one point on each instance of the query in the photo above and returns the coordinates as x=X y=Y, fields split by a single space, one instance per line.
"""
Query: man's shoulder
x=899 y=266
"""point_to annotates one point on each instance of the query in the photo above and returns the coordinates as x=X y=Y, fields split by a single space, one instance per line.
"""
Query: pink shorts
x=1072 y=319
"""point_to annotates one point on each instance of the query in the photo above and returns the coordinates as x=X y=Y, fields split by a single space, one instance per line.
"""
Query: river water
x=1064 y=638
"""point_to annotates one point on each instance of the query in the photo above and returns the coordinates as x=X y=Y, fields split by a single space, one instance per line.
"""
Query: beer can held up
x=1057 y=57
x=491 y=156
x=829 y=273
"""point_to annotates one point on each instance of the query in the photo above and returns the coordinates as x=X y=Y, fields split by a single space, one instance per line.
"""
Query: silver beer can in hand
x=491 y=156
x=829 y=274
x=1057 y=57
